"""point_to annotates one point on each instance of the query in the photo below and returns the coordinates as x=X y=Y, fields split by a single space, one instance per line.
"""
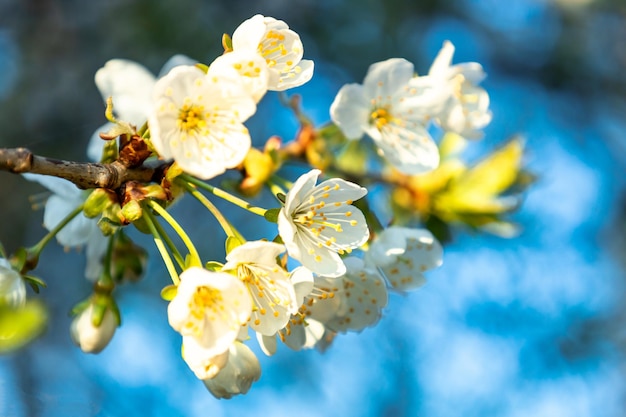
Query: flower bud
x=12 y=288
x=97 y=202
x=241 y=370
x=132 y=211
x=91 y=330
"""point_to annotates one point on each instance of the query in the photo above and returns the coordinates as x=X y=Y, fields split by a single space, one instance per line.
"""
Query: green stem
x=229 y=229
x=224 y=195
x=193 y=253
x=105 y=281
x=36 y=249
x=171 y=246
x=158 y=241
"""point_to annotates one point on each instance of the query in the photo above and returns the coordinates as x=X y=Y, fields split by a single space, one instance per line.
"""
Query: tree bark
x=84 y=174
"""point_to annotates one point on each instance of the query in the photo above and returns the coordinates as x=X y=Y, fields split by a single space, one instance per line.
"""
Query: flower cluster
x=331 y=263
x=394 y=107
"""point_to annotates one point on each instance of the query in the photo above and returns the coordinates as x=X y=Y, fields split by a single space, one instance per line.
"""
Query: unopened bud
x=132 y=211
x=92 y=337
x=12 y=287
x=97 y=202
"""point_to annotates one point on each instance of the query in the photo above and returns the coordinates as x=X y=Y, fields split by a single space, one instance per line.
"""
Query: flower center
x=380 y=117
x=203 y=299
x=247 y=69
x=272 y=47
x=191 y=117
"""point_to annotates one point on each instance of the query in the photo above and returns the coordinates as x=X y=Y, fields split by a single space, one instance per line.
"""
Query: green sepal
x=97 y=314
x=214 y=266
x=142 y=226
x=97 y=201
x=107 y=226
x=191 y=262
x=271 y=215
x=35 y=282
x=169 y=292
x=115 y=310
x=278 y=239
x=281 y=197
x=227 y=42
x=18 y=260
x=19 y=326
x=109 y=151
x=80 y=307
x=231 y=243
x=132 y=211
x=204 y=68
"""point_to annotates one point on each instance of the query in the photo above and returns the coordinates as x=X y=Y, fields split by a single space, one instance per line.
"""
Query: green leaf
x=35 y=282
x=168 y=293
x=271 y=215
x=20 y=326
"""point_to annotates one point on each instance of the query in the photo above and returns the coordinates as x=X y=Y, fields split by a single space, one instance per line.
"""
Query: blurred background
x=527 y=326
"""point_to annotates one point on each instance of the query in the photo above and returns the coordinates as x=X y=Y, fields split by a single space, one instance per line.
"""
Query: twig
x=84 y=174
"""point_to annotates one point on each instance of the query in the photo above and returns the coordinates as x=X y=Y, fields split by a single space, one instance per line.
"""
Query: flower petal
x=350 y=111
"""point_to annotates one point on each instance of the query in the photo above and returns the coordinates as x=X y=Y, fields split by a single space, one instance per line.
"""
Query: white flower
x=393 y=108
x=318 y=222
x=202 y=362
x=88 y=337
x=279 y=46
x=12 y=287
x=211 y=307
x=80 y=230
x=250 y=66
x=293 y=334
x=130 y=85
x=353 y=301
x=403 y=255
x=273 y=294
x=467 y=108
x=198 y=120
x=241 y=370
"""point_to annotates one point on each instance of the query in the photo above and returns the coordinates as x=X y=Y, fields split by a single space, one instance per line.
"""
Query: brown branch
x=84 y=174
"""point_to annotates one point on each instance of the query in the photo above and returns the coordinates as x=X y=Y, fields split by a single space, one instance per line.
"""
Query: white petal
x=298 y=75
x=300 y=190
x=12 y=287
x=387 y=77
x=322 y=261
x=203 y=363
x=410 y=150
x=240 y=372
x=442 y=61
x=250 y=67
x=130 y=84
x=255 y=252
x=77 y=231
x=59 y=186
x=96 y=248
x=350 y=111
x=268 y=344
x=248 y=35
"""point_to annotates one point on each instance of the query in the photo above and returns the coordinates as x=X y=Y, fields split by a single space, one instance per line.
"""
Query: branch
x=84 y=174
